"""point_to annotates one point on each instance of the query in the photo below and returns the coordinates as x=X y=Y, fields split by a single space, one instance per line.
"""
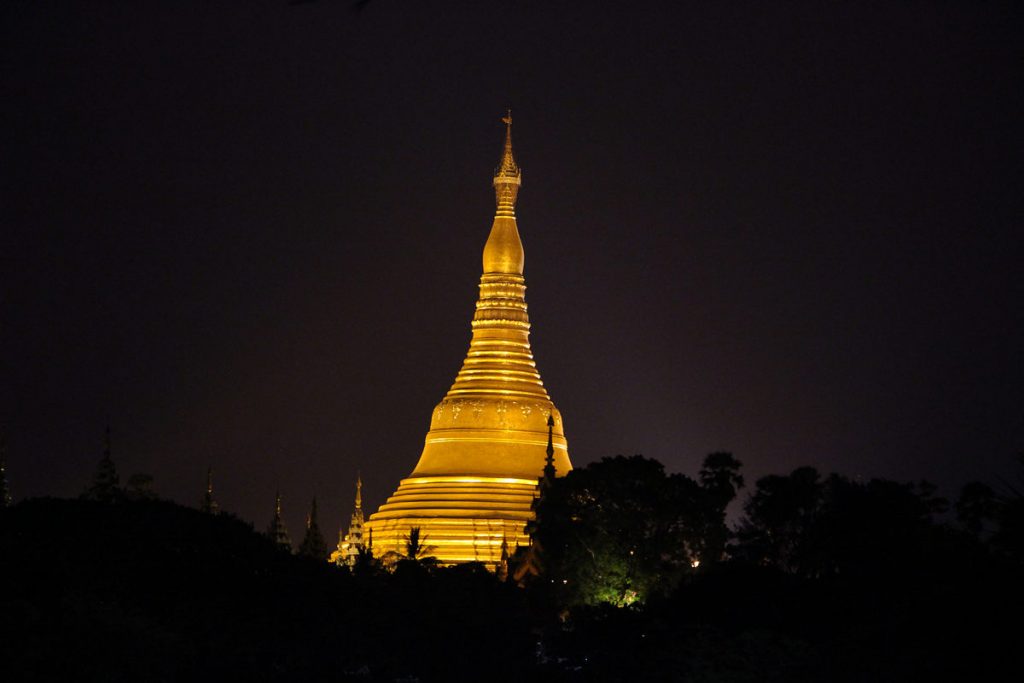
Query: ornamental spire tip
x=508 y=176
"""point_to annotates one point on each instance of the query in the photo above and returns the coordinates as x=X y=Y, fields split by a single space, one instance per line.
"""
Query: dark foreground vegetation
x=640 y=579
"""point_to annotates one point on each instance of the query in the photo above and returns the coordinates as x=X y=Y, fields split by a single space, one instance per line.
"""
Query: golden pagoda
x=351 y=543
x=473 y=487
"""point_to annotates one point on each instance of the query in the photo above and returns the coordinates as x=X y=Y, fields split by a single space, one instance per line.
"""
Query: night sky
x=247 y=235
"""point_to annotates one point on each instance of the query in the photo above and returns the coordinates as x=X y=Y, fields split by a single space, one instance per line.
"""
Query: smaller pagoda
x=106 y=485
x=208 y=504
x=350 y=544
x=313 y=544
x=277 y=531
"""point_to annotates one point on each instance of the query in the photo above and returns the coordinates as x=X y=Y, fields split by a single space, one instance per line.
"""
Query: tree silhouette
x=720 y=479
x=878 y=590
x=140 y=487
x=720 y=473
x=365 y=563
x=416 y=548
x=977 y=507
x=1008 y=539
x=778 y=519
x=620 y=530
x=816 y=528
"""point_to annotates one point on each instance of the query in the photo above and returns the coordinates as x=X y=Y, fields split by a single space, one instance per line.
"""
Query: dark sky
x=248 y=235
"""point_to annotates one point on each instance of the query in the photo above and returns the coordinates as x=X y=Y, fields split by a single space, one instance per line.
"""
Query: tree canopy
x=620 y=530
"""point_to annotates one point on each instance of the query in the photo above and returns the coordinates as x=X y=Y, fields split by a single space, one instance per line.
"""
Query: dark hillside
x=157 y=592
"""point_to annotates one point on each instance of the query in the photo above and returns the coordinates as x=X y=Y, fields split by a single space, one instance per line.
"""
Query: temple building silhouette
x=471 y=493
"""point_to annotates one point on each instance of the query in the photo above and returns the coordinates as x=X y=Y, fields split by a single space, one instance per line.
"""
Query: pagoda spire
x=5 y=492
x=106 y=485
x=507 y=176
x=208 y=504
x=277 y=531
x=549 y=460
x=350 y=544
x=313 y=544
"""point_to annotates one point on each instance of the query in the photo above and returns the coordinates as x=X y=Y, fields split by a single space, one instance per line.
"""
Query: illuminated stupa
x=472 y=489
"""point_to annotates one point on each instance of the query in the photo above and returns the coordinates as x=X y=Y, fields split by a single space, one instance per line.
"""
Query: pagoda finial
x=359 y=491
x=208 y=504
x=508 y=176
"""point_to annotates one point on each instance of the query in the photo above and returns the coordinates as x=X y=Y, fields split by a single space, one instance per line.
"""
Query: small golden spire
x=508 y=176
x=359 y=491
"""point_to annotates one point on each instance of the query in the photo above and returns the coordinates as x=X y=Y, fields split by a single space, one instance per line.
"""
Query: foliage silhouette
x=416 y=548
x=140 y=487
x=828 y=579
x=720 y=480
x=817 y=528
x=153 y=591
x=621 y=530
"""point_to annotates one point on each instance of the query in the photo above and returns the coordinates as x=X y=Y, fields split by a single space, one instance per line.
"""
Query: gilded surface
x=476 y=479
